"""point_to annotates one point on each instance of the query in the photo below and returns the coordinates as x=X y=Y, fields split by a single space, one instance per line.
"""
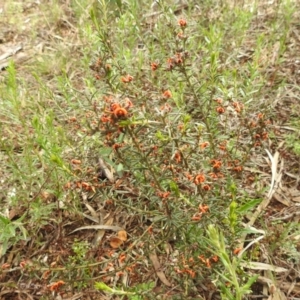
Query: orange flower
x=122 y=257
x=238 y=106
x=86 y=186
x=191 y=273
x=203 y=208
x=120 y=112
x=170 y=62
x=56 y=285
x=204 y=145
x=215 y=258
x=264 y=135
x=222 y=146
x=154 y=66
x=72 y=119
x=199 y=179
x=182 y=22
x=178 y=271
x=177 y=157
x=163 y=195
x=67 y=185
x=196 y=217
x=97 y=76
x=166 y=107
x=220 y=109
x=167 y=94
x=178 y=59
x=237 y=250
x=216 y=175
x=216 y=164
x=127 y=78
x=219 y=100
x=46 y=274
x=206 y=187
x=238 y=169
x=117 y=146
x=260 y=116
x=105 y=119
x=207 y=262
x=114 y=106
x=76 y=161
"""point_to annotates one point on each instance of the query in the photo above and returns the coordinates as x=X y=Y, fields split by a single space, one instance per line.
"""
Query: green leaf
x=105 y=152
x=248 y=206
x=4 y=220
x=101 y=286
x=246 y=287
x=120 y=167
x=174 y=188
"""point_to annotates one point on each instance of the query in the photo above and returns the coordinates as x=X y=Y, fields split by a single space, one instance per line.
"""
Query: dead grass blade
x=100 y=233
x=104 y=170
x=274 y=164
x=253 y=265
x=275 y=180
x=104 y=227
x=157 y=267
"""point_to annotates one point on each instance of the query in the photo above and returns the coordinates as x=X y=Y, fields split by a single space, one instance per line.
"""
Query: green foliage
x=293 y=143
x=229 y=278
x=136 y=292
x=11 y=233
x=178 y=109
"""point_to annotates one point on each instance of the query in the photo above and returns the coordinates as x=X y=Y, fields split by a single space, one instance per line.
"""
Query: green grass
x=132 y=118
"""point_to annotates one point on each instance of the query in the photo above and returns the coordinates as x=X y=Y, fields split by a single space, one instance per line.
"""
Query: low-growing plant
x=157 y=142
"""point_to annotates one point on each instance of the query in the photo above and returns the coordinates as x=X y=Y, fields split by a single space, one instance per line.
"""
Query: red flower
x=182 y=22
